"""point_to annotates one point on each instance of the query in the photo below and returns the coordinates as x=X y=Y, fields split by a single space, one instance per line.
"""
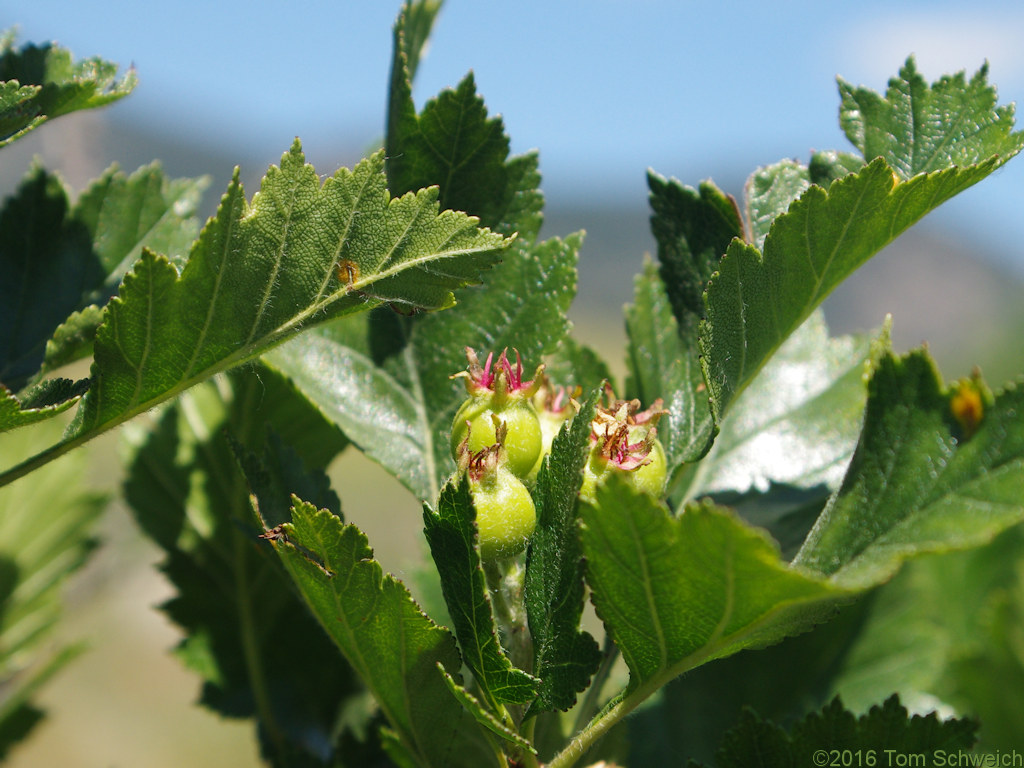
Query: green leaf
x=693 y=229
x=484 y=717
x=956 y=137
x=798 y=422
x=407 y=431
x=663 y=364
x=248 y=635
x=42 y=82
x=755 y=301
x=917 y=128
x=826 y=167
x=454 y=144
x=276 y=404
x=769 y=192
x=921 y=479
x=416 y=21
x=782 y=683
x=165 y=331
x=259 y=273
x=403 y=365
x=124 y=213
x=411 y=32
x=941 y=633
x=393 y=646
x=564 y=656
x=984 y=672
x=676 y=592
x=786 y=512
x=47 y=265
x=16 y=413
x=58 y=258
x=885 y=735
x=49 y=524
x=451 y=534
x=903 y=642
x=73 y=339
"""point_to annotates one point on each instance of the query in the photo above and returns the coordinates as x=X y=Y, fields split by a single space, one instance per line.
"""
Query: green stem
x=251 y=650
x=528 y=759
x=616 y=709
x=588 y=706
x=39 y=460
x=505 y=584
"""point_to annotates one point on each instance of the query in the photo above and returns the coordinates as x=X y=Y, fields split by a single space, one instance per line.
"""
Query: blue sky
x=604 y=88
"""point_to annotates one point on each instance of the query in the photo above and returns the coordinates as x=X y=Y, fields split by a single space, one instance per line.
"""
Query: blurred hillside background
x=605 y=90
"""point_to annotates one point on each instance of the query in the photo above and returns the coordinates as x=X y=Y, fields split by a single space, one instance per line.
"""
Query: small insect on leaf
x=967 y=404
x=278 y=535
x=348 y=272
x=275 y=534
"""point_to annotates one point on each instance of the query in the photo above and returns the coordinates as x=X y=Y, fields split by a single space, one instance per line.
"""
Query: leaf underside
x=451 y=534
x=565 y=657
x=887 y=731
x=390 y=643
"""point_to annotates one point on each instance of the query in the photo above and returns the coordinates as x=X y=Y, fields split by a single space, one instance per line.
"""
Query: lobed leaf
x=390 y=643
x=15 y=412
x=564 y=657
x=782 y=683
x=58 y=258
x=921 y=479
x=38 y=83
x=451 y=533
x=917 y=128
x=755 y=301
x=403 y=365
x=299 y=254
x=676 y=592
x=884 y=733
x=248 y=636
x=454 y=144
x=925 y=145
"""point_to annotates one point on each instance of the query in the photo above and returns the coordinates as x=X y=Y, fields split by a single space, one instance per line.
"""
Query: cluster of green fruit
x=505 y=428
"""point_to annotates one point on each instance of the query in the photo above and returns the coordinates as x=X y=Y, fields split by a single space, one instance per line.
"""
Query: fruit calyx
x=557 y=402
x=499 y=378
x=483 y=463
x=620 y=422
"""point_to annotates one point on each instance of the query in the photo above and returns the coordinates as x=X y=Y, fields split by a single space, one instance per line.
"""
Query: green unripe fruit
x=649 y=477
x=523 y=441
x=505 y=514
